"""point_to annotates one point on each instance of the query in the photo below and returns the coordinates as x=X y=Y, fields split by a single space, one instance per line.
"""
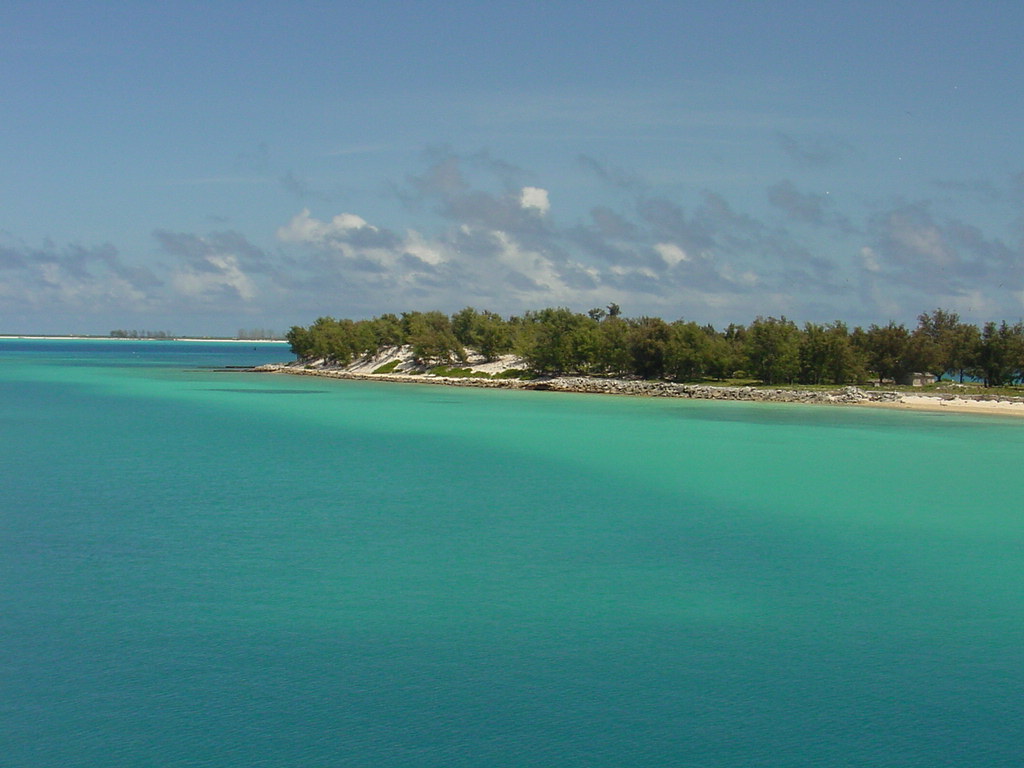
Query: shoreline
x=952 y=404
x=30 y=337
x=847 y=395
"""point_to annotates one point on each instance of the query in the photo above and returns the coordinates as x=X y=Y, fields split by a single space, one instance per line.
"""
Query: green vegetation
x=459 y=373
x=388 y=367
x=770 y=351
x=256 y=334
x=515 y=373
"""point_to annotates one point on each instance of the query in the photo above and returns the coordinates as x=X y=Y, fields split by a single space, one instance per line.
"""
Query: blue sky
x=206 y=167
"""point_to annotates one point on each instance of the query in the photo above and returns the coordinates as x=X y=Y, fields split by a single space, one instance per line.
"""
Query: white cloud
x=869 y=259
x=924 y=239
x=530 y=263
x=226 y=274
x=425 y=251
x=303 y=228
x=535 y=199
x=976 y=303
x=77 y=279
x=671 y=253
x=84 y=291
x=745 y=278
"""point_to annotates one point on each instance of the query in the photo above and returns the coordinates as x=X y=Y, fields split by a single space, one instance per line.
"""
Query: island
x=942 y=364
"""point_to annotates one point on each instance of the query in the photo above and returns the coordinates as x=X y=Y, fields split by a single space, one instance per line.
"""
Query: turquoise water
x=207 y=568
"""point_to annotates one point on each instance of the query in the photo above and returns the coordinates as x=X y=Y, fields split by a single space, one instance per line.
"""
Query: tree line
x=603 y=342
x=121 y=333
x=256 y=334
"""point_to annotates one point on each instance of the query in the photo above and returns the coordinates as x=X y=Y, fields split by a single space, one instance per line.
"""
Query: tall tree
x=964 y=341
x=484 y=332
x=648 y=346
x=845 y=363
x=559 y=341
x=814 y=354
x=387 y=331
x=726 y=352
x=886 y=348
x=773 y=349
x=612 y=350
x=687 y=352
x=465 y=325
x=932 y=346
x=431 y=337
x=300 y=341
x=1000 y=358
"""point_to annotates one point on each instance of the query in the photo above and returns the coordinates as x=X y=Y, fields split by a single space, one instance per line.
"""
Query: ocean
x=201 y=567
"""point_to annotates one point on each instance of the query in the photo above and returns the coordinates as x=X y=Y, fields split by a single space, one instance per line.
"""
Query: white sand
x=955 y=405
x=405 y=363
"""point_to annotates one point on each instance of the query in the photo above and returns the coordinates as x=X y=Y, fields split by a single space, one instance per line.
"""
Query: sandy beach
x=939 y=403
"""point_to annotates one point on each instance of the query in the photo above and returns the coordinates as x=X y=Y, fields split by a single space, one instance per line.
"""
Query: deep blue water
x=207 y=568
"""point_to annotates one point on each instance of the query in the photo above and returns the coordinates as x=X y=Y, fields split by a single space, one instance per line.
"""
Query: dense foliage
x=771 y=350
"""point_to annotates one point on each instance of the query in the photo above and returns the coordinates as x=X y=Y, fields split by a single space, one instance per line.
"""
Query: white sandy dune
x=403 y=355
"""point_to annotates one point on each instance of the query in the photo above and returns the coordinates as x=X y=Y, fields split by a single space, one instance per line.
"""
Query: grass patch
x=459 y=373
x=972 y=388
x=735 y=381
x=388 y=367
x=516 y=373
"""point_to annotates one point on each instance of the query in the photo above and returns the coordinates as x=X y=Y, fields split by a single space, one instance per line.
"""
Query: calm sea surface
x=205 y=568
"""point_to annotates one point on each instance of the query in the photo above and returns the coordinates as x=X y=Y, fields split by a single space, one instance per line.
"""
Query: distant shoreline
x=32 y=337
x=849 y=395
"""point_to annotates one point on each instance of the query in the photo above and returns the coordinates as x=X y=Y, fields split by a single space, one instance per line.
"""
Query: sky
x=201 y=168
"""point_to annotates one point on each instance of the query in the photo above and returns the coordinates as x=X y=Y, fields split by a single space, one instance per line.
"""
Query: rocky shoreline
x=848 y=395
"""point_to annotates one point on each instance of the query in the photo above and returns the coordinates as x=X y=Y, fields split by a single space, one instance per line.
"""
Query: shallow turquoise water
x=206 y=568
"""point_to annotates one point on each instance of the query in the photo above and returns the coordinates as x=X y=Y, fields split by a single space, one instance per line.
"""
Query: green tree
x=687 y=352
x=886 y=349
x=560 y=341
x=964 y=341
x=845 y=361
x=431 y=337
x=465 y=323
x=648 y=340
x=485 y=332
x=814 y=354
x=494 y=336
x=937 y=345
x=726 y=351
x=364 y=338
x=773 y=350
x=300 y=341
x=331 y=340
x=611 y=354
x=387 y=331
x=1000 y=355
x=827 y=355
x=1017 y=351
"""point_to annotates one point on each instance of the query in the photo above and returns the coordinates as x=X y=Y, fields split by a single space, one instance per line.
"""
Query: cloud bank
x=495 y=242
